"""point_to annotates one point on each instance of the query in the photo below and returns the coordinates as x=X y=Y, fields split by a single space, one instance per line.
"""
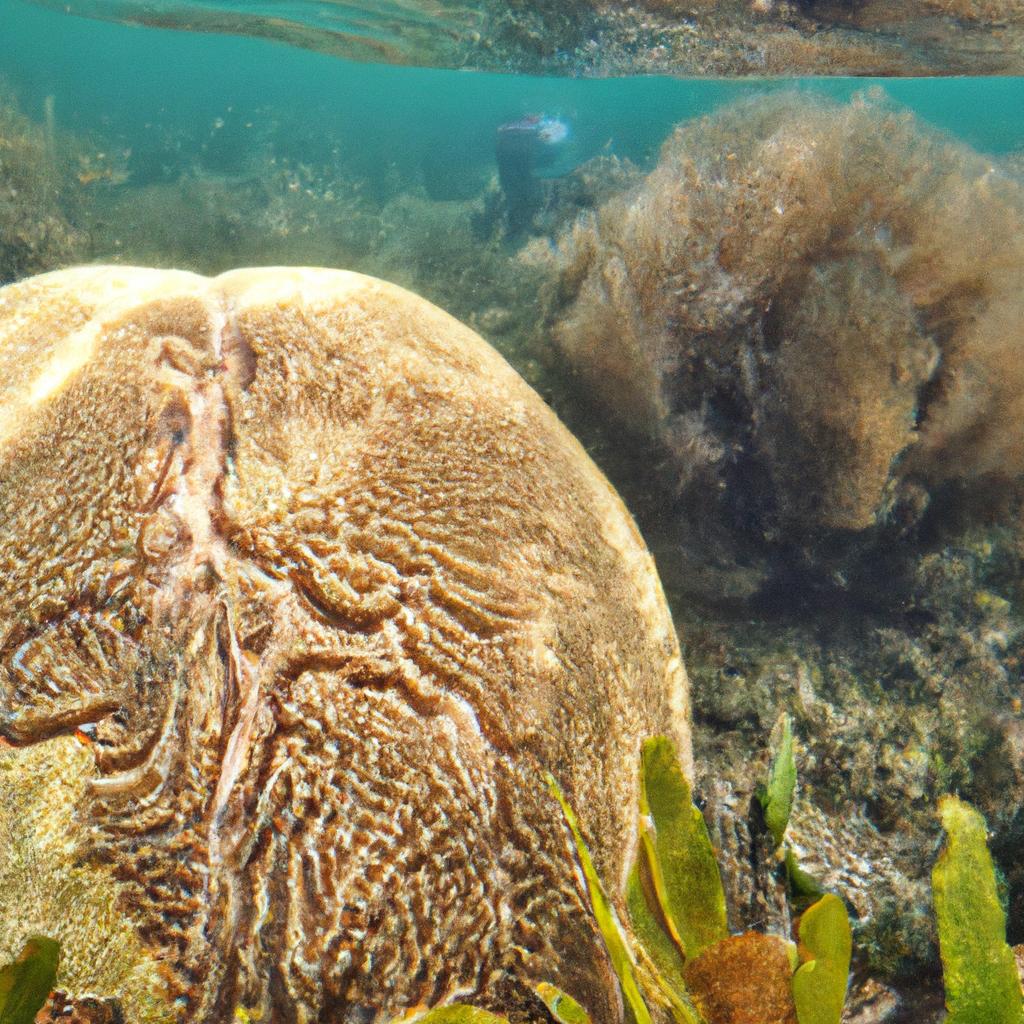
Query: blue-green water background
x=179 y=105
x=158 y=91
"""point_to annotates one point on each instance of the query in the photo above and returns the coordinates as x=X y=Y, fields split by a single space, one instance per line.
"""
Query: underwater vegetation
x=36 y=232
x=816 y=312
x=26 y=983
x=676 y=961
x=891 y=710
x=671 y=951
x=981 y=976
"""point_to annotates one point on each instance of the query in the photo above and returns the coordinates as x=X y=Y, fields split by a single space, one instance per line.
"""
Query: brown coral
x=329 y=589
x=818 y=310
x=745 y=979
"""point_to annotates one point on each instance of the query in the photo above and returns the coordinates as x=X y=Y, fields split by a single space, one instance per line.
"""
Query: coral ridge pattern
x=324 y=589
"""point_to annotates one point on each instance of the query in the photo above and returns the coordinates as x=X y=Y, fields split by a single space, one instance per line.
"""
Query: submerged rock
x=36 y=233
x=325 y=589
x=809 y=317
x=892 y=712
x=815 y=312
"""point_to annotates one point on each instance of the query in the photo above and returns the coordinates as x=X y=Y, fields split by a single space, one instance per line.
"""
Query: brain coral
x=817 y=309
x=324 y=589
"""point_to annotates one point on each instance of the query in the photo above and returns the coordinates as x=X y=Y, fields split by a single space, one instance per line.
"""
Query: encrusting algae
x=328 y=589
x=36 y=232
x=44 y=888
x=816 y=311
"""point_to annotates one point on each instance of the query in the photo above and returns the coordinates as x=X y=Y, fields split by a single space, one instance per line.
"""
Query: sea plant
x=776 y=797
x=561 y=1005
x=615 y=940
x=678 y=852
x=680 y=889
x=26 y=983
x=979 y=972
x=776 y=801
x=683 y=958
x=826 y=944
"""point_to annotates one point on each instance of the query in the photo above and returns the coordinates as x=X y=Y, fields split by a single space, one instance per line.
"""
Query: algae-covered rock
x=890 y=713
x=46 y=889
x=602 y=37
x=327 y=589
x=752 y=37
x=813 y=313
x=36 y=233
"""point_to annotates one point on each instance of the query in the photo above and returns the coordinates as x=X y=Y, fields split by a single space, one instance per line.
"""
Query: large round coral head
x=305 y=590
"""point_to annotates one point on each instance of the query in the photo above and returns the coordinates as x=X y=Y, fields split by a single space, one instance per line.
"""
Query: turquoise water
x=841 y=582
x=168 y=93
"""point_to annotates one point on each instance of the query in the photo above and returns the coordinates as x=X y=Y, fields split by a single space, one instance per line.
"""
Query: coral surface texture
x=320 y=589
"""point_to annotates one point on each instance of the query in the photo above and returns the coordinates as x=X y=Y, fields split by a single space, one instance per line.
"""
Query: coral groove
x=316 y=600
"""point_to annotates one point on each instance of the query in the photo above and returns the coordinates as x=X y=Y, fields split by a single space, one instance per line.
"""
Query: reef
x=807 y=322
x=37 y=231
x=891 y=712
x=813 y=314
x=324 y=589
x=792 y=346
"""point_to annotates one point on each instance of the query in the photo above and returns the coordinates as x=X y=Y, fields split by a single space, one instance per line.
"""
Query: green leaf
x=561 y=1005
x=804 y=888
x=26 y=984
x=456 y=1013
x=607 y=922
x=819 y=985
x=665 y=966
x=777 y=797
x=982 y=984
x=650 y=929
x=678 y=851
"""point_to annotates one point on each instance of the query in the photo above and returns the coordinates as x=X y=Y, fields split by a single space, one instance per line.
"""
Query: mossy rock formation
x=323 y=588
x=781 y=308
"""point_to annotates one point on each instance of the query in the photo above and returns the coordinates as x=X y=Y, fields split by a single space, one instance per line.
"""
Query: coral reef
x=891 y=712
x=36 y=231
x=815 y=312
x=327 y=589
x=809 y=317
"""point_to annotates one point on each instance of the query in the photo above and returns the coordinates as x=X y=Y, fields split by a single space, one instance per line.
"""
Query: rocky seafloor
x=811 y=404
